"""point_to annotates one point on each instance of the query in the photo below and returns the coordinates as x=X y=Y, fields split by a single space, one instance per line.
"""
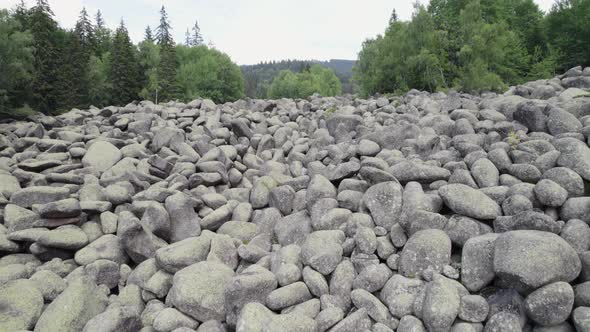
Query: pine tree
x=187 y=38
x=86 y=32
x=72 y=84
x=197 y=38
x=163 y=32
x=393 y=17
x=43 y=29
x=102 y=35
x=21 y=13
x=148 y=36
x=123 y=71
x=168 y=62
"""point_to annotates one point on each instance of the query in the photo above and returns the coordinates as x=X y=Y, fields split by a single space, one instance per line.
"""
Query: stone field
x=423 y=212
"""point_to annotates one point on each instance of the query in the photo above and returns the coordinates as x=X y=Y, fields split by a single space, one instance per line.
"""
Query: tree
x=123 y=72
x=187 y=38
x=168 y=64
x=568 y=29
x=71 y=84
x=197 y=38
x=16 y=66
x=148 y=35
x=99 y=89
x=304 y=84
x=21 y=14
x=393 y=17
x=44 y=29
x=102 y=35
x=86 y=33
x=208 y=73
x=149 y=59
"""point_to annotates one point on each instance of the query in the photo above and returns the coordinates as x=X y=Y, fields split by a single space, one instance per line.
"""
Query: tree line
x=258 y=78
x=50 y=69
x=475 y=46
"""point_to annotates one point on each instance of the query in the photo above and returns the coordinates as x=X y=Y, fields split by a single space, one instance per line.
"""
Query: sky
x=251 y=31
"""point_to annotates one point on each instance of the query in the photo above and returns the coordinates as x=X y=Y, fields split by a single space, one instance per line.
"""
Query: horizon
x=228 y=24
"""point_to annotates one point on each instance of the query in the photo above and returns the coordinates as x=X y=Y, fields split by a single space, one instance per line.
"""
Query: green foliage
x=568 y=29
x=208 y=73
x=54 y=70
x=46 y=57
x=168 y=88
x=16 y=64
x=259 y=77
x=99 y=89
x=149 y=59
x=301 y=85
x=123 y=72
x=474 y=46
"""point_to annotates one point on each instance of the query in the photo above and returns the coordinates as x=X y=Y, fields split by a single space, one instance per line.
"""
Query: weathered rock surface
x=423 y=212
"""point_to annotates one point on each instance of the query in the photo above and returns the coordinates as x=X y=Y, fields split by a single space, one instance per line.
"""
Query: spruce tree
x=72 y=86
x=393 y=17
x=102 y=35
x=44 y=29
x=123 y=71
x=86 y=32
x=168 y=62
x=197 y=38
x=21 y=13
x=148 y=36
x=187 y=38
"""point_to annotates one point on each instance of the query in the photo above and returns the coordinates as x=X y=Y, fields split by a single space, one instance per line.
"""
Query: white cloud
x=254 y=30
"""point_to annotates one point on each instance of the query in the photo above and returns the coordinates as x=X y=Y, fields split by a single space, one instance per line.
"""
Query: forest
x=50 y=69
x=475 y=46
x=465 y=45
x=259 y=77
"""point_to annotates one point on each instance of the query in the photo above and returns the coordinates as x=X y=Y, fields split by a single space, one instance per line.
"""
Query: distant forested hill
x=259 y=77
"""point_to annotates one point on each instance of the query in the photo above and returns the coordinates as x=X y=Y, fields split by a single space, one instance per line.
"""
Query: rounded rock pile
x=425 y=212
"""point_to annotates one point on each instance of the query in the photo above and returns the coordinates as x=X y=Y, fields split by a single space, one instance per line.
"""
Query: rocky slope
x=427 y=212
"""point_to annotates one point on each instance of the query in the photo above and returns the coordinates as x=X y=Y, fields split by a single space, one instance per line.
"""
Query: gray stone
x=170 y=319
x=549 y=259
x=566 y=178
x=550 y=304
x=576 y=208
x=406 y=171
x=184 y=221
x=319 y=187
x=289 y=295
x=199 y=290
x=469 y=202
x=503 y=322
x=105 y=247
x=575 y=155
x=399 y=294
x=252 y=285
x=115 y=319
x=477 y=262
x=101 y=156
x=581 y=318
x=72 y=309
x=68 y=237
x=427 y=249
x=181 y=254
x=550 y=193
x=20 y=305
x=577 y=234
x=384 y=201
x=322 y=250
x=474 y=308
x=441 y=305
x=26 y=197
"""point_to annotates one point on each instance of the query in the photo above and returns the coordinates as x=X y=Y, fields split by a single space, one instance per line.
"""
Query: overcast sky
x=251 y=31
